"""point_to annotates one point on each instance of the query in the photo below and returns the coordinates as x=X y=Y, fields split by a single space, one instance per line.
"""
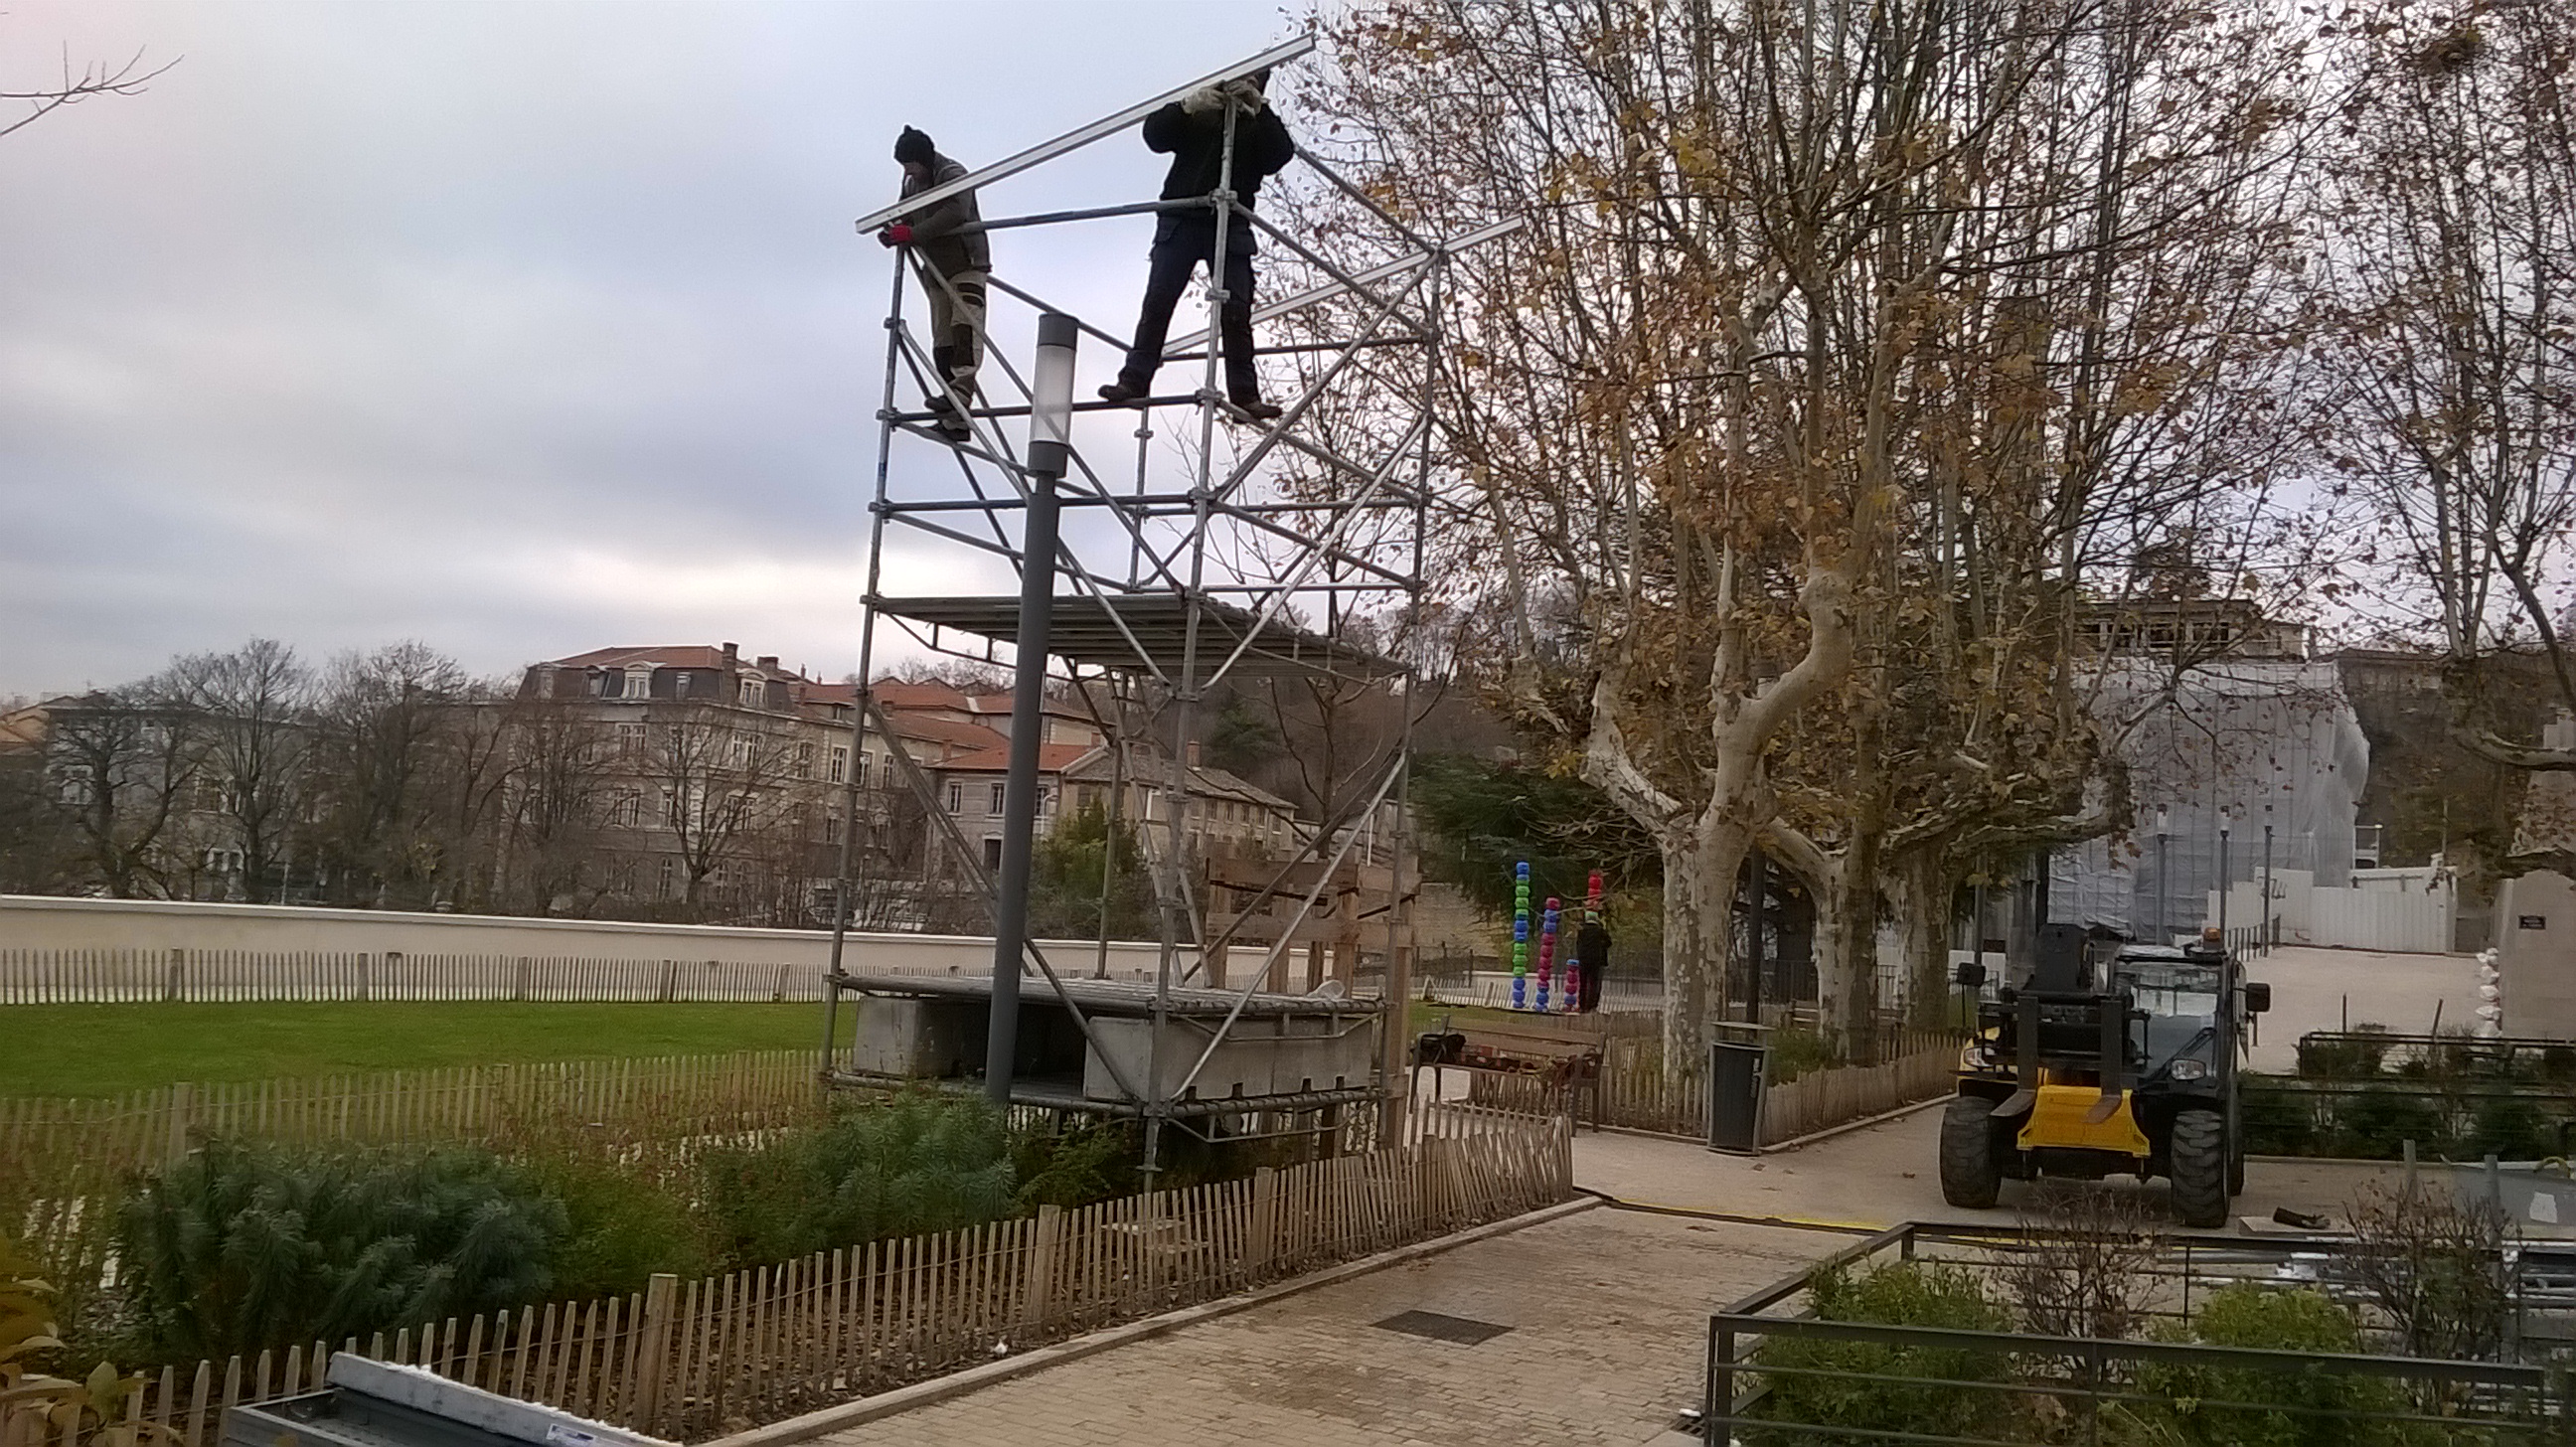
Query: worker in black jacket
x=1193 y=131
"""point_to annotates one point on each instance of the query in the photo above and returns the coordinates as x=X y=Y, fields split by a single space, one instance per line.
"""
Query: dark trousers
x=1180 y=244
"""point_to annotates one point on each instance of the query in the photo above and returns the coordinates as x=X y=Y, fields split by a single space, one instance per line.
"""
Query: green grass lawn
x=109 y=1049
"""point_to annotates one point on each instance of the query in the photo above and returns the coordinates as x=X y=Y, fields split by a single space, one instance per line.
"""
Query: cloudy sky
x=519 y=329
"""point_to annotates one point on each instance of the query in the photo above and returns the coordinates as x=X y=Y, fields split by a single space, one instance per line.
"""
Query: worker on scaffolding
x=955 y=263
x=1194 y=131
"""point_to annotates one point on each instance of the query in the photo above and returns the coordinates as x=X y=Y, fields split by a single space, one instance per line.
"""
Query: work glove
x=1246 y=94
x=1206 y=100
x=899 y=234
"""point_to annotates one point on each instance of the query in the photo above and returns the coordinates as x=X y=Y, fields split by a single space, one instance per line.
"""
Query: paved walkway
x=1607 y=1312
x=1881 y=1174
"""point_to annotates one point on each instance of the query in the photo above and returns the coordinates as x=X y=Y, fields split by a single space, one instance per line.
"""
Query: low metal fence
x=1780 y=1375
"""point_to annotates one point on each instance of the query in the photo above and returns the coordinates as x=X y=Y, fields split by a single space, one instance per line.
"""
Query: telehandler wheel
x=1971 y=1173
x=2236 y=1166
x=2199 y=1162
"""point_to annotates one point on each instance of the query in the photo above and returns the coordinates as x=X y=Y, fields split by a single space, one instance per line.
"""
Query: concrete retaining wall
x=32 y=927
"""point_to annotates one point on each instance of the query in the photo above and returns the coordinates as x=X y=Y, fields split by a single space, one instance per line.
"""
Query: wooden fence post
x=183 y=1099
x=519 y=990
x=1045 y=1243
x=364 y=993
x=670 y=976
x=653 y=1351
x=1261 y=1243
x=176 y=982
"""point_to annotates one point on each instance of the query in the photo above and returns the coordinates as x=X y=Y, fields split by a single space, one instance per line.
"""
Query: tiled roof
x=680 y=656
x=895 y=693
x=1052 y=759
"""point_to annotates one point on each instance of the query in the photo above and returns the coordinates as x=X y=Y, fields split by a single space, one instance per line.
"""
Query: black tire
x=2236 y=1166
x=2199 y=1163
x=1971 y=1173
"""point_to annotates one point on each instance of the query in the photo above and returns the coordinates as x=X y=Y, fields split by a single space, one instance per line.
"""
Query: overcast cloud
x=519 y=329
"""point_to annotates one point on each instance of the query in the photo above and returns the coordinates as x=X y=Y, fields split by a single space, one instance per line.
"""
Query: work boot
x=1124 y=391
x=1256 y=409
x=951 y=421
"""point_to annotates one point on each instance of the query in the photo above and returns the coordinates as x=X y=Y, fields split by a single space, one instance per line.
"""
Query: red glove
x=899 y=234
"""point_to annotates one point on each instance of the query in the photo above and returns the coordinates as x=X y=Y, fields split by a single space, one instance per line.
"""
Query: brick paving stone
x=1609 y=1317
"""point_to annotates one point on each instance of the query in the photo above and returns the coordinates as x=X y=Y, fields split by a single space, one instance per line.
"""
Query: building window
x=680 y=684
x=840 y=762
x=630 y=738
x=997 y=799
x=750 y=693
x=889 y=771
x=956 y=798
x=626 y=810
x=599 y=685
x=805 y=761
x=742 y=751
x=670 y=877
x=992 y=853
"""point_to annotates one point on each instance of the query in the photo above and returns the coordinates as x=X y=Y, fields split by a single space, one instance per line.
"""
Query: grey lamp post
x=2270 y=930
x=2223 y=822
x=1050 y=447
x=2164 y=879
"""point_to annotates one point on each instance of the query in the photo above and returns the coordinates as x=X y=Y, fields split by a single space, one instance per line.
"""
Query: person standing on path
x=1592 y=946
x=1193 y=131
x=955 y=264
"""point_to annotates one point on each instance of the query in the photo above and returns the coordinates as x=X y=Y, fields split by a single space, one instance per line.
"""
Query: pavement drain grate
x=1465 y=1331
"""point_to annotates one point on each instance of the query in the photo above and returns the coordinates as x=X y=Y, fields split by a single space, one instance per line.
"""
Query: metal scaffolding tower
x=1162 y=548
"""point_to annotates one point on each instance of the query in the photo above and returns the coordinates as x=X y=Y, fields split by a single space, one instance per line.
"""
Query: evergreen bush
x=913 y=1165
x=1925 y=1398
x=241 y=1246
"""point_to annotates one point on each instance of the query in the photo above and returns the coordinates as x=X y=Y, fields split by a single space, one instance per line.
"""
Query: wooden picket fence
x=698 y=1360
x=1634 y=1093
x=136 y=976
x=677 y=1097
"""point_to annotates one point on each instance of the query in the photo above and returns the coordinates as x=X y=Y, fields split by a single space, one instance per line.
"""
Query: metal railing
x=1777 y=1375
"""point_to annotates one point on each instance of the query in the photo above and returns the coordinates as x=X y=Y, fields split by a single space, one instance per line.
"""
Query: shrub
x=2278 y=1121
x=1075 y=1167
x=1908 y=1293
x=1796 y=1052
x=620 y=1228
x=916 y=1164
x=2512 y=1128
x=2254 y=1407
x=2355 y=1057
x=2376 y=1124
x=240 y=1247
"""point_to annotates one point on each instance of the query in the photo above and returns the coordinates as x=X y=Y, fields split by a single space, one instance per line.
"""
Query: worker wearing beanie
x=955 y=265
x=1193 y=131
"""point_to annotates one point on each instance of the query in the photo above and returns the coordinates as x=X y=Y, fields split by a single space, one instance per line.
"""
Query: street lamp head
x=1051 y=396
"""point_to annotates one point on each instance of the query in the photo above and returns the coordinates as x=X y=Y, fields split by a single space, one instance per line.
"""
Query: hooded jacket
x=934 y=227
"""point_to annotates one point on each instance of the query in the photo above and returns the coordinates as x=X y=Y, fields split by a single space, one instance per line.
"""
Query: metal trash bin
x=1735 y=1071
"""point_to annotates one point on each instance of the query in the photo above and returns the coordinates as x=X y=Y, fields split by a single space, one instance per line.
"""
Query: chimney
x=731 y=653
x=769 y=663
x=1194 y=753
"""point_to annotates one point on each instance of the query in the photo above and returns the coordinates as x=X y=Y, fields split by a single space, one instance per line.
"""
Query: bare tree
x=124 y=764
x=725 y=781
x=379 y=722
x=256 y=706
x=557 y=778
x=88 y=83
x=2447 y=333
